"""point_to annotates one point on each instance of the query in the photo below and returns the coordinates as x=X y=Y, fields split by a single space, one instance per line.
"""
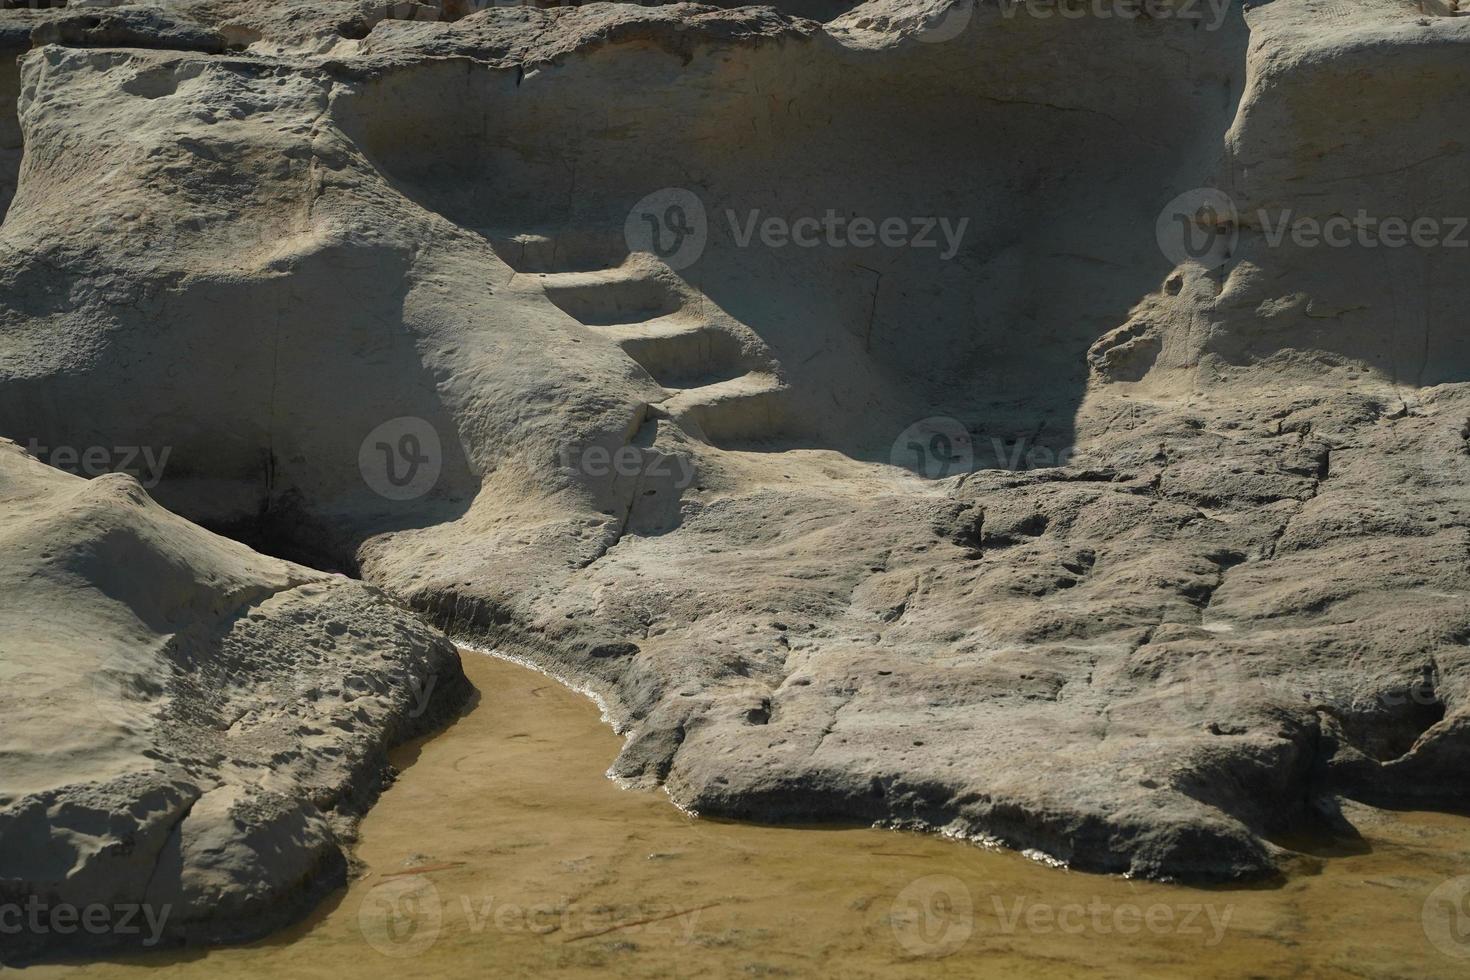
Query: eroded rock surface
x=1199 y=569
x=190 y=728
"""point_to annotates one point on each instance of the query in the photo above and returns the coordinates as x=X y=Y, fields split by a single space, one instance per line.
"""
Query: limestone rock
x=1192 y=559
x=188 y=726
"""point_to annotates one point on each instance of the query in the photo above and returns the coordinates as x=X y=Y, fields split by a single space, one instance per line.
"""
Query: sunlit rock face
x=1048 y=427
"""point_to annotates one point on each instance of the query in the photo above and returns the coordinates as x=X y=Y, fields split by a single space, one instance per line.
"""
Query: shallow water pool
x=504 y=850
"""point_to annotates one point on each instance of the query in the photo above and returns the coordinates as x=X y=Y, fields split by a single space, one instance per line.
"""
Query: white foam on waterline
x=582 y=689
x=589 y=694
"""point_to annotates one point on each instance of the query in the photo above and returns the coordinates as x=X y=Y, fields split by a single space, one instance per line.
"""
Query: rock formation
x=189 y=726
x=1096 y=507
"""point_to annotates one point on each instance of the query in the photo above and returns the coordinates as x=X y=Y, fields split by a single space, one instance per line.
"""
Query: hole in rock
x=1387 y=728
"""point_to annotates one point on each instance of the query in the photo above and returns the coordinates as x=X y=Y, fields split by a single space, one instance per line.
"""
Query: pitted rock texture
x=1202 y=569
x=188 y=726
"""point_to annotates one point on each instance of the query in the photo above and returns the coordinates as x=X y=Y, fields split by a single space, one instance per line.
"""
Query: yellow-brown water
x=503 y=850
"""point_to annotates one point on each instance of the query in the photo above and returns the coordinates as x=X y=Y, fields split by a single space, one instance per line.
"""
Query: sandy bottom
x=503 y=850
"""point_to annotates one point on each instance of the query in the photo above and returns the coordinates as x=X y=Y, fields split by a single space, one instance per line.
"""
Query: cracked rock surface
x=1200 y=566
